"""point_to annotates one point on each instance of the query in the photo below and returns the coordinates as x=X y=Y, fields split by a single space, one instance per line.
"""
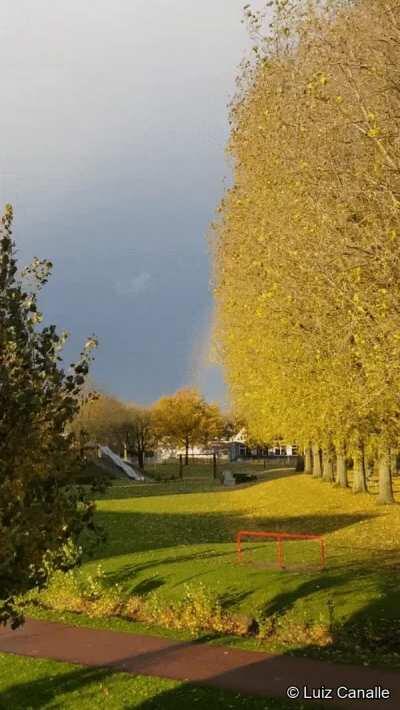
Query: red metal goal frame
x=280 y=537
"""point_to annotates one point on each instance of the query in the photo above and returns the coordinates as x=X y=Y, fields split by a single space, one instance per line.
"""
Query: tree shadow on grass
x=374 y=630
x=159 y=489
x=40 y=692
x=357 y=574
x=133 y=532
x=128 y=572
x=233 y=598
x=205 y=543
x=192 y=485
x=186 y=695
x=54 y=692
x=370 y=635
x=146 y=586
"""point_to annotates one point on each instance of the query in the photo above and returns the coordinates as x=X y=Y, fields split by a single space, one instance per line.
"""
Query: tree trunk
x=327 y=466
x=359 y=473
x=385 y=495
x=186 y=452
x=140 y=456
x=317 y=473
x=393 y=461
x=307 y=460
x=81 y=445
x=341 y=468
x=369 y=469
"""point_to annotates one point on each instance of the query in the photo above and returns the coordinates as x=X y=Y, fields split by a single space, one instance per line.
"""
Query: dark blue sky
x=113 y=128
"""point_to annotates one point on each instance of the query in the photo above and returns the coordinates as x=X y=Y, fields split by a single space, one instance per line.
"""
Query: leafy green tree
x=43 y=514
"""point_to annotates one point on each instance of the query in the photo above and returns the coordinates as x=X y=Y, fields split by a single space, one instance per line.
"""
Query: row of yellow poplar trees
x=306 y=241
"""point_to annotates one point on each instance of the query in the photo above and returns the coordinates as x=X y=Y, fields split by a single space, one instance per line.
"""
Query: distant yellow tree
x=212 y=424
x=185 y=419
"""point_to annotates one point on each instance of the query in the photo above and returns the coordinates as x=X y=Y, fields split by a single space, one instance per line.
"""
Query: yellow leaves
x=321 y=234
x=320 y=79
x=374 y=130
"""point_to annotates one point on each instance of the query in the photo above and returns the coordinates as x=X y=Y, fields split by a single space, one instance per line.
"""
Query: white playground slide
x=128 y=470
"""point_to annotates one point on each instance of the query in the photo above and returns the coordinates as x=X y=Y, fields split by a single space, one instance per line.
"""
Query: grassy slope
x=162 y=537
x=27 y=683
x=203 y=470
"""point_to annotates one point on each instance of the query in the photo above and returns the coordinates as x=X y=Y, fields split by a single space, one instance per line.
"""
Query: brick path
x=246 y=672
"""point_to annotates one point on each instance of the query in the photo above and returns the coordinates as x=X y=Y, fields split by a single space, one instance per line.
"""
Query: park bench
x=231 y=480
x=244 y=477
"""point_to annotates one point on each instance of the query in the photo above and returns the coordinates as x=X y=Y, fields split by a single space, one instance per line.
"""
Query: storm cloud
x=113 y=128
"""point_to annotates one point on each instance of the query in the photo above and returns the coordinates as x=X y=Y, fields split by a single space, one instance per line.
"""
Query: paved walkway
x=246 y=672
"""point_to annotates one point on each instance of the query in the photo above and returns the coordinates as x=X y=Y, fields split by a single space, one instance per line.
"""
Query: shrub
x=42 y=510
x=198 y=610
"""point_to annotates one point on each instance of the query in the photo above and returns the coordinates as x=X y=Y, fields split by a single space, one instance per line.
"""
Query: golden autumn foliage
x=124 y=426
x=185 y=419
x=180 y=419
x=306 y=248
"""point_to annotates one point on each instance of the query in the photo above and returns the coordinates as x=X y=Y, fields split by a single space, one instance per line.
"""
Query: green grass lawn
x=30 y=684
x=165 y=536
